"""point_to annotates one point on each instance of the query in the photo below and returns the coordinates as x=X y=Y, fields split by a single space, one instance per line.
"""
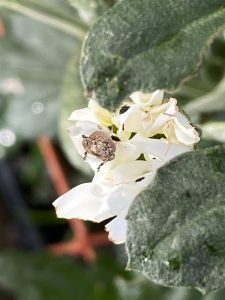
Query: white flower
x=109 y=194
x=146 y=101
x=147 y=134
x=94 y=113
x=174 y=125
x=152 y=119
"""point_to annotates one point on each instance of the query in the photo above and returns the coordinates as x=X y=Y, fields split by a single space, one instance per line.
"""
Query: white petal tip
x=114 y=241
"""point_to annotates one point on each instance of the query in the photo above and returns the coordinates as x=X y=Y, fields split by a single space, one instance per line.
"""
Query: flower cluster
x=124 y=149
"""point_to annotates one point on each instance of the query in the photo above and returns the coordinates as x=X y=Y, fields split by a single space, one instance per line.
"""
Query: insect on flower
x=138 y=139
x=101 y=145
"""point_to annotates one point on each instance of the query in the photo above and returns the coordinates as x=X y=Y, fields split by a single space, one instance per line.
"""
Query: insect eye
x=84 y=142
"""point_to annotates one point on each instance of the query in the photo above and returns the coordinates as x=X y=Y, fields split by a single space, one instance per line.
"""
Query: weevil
x=101 y=145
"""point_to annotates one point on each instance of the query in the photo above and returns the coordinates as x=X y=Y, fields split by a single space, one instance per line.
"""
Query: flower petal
x=131 y=120
x=104 y=212
x=125 y=151
x=156 y=97
x=184 y=131
x=117 y=229
x=122 y=196
x=159 y=148
x=79 y=129
x=84 y=114
x=114 y=173
x=80 y=202
x=102 y=114
x=145 y=101
x=130 y=171
x=154 y=147
x=167 y=111
x=173 y=150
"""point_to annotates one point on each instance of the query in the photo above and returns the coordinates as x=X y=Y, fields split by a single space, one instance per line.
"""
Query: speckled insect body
x=100 y=145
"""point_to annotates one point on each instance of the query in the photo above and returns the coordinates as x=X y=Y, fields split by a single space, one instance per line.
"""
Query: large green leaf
x=55 y=13
x=176 y=226
x=146 y=45
x=209 y=75
x=211 y=102
x=35 y=55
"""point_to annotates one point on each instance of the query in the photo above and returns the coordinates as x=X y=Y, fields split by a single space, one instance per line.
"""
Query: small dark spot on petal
x=132 y=135
x=158 y=136
x=139 y=179
x=123 y=109
x=141 y=157
x=115 y=138
x=110 y=127
x=123 y=127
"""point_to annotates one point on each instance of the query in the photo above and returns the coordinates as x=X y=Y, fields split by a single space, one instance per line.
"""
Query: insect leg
x=85 y=155
x=101 y=164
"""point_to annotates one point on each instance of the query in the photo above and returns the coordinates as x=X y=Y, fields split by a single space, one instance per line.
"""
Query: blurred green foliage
x=41 y=276
x=203 y=96
x=40 y=52
x=33 y=55
x=211 y=72
x=39 y=58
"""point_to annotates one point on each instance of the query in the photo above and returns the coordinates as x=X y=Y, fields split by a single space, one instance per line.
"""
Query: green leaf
x=211 y=102
x=176 y=226
x=41 y=276
x=214 y=131
x=55 y=13
x=146 y=45
x=27 y=56
x=210 y=74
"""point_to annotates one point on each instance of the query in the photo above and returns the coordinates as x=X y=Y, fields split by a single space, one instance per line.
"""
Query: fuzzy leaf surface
x=147 y=45
x=176 y=226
